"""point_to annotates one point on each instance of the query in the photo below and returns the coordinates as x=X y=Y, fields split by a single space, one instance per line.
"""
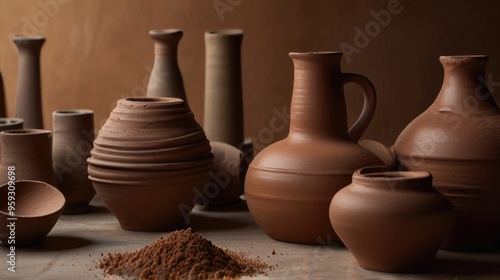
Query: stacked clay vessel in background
x=290 y=184
x=149 y=159
x=223 y=114
x=457 y=139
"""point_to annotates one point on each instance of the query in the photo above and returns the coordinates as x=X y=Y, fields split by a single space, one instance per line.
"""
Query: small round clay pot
x=392 y=221
x=227 y=179
x=38 y=206
x=30 y=152
x=73 y=133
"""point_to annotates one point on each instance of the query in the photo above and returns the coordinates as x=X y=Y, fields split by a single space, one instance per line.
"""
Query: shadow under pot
x=392 y=221
x=29 y=152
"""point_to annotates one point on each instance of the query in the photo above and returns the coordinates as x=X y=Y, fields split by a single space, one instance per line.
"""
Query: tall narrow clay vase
x=29 y=94
x=392 y=221
x=3 y=111
x=73 y=132
x=289 y=185
x=29 y=151
x=166 y=78
x=457 y=139
x=223 y=112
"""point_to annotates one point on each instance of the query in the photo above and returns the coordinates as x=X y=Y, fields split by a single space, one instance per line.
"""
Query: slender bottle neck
x=465 y=88
x=318 y=103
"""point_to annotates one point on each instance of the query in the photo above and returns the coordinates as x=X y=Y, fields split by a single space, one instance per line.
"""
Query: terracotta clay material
x=227 y=179
x=38 y=206
x=166 y=78
x=392 y=221
x=29 y=93
x=10 y=123
x=73 y=133
x=457 y=140
x=149 y=160
x=290 y=184
x=30 y=152
x=223 y=113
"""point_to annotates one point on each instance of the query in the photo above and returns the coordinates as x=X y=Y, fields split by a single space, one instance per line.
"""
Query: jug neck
x=464 y=88
x=318 y=104
x=166 y=42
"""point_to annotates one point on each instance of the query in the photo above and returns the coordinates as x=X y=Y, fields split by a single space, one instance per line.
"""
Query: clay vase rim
x=153 y=100
x=314 y=53
x=10 y=121
x=72 y=112
x=26 y=131
x=381 y=174
x=164 y=31
x=466 y=56
x=224 y=32
x=56 y=205
x=21 y=39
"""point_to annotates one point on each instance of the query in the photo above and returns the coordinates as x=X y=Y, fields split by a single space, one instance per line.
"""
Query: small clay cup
x=38 y=206
x=30 y=152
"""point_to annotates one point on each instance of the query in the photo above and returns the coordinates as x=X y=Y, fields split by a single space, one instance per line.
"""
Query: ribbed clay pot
x=227 y=179
x=73 y=134
x=30 y=152
x=149 y=161
x=290 y=184
x=29 y=93
x=223 y=111
x=166 y=79
x=457 y=140
x=392 y=221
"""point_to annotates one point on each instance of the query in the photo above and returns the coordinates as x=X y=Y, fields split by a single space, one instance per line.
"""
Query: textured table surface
x=74 y=246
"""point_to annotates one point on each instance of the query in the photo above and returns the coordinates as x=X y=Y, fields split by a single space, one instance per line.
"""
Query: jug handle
x=370 y=102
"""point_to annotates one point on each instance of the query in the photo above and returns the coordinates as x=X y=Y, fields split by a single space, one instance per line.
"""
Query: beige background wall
x=98 y=51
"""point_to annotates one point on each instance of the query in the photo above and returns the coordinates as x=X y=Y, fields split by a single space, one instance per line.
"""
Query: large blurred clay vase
x=289 y=184
x=29 y=94
x=457 y=139
x=3 y=111
x=166 y=79
x=73 y=132
x=223 y=111
x=29 y=151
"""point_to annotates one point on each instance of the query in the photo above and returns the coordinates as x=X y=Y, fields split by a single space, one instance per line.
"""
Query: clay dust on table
x=183 y=254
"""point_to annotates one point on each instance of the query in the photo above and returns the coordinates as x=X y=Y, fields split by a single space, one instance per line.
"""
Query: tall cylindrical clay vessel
x=457 y=139
x=166 y=79
x=29 y=151
x=73 y=134
x=223 y=111
x=29 y=94
x=289 y=185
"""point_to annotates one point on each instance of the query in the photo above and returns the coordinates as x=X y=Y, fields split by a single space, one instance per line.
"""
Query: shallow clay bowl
x=38 y=206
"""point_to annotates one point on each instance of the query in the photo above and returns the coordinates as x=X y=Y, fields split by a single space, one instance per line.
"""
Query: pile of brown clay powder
x=183 y=254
